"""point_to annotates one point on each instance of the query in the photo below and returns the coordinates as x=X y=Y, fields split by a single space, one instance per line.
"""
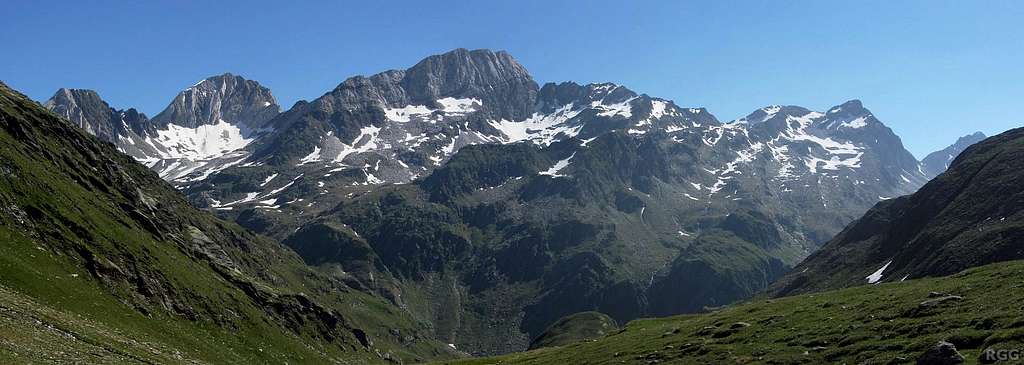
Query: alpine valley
x=457 y=208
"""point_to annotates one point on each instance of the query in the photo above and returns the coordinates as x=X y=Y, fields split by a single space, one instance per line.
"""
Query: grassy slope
x=879 y=324
x=102 y=257
x=575 y=328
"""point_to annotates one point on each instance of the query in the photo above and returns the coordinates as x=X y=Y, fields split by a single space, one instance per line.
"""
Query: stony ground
x=35 y=333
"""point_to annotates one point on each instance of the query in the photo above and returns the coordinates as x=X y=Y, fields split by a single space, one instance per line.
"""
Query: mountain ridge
x=937 y=162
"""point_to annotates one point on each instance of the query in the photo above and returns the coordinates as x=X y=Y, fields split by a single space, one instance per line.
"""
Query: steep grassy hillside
x=575 y=328
x=104 y=262
x=892 y=323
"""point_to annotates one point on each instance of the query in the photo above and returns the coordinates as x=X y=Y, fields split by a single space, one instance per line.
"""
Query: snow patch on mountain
x=311 y=157
x=462 y=106
x=559 y=166
x=201 y=143
x=405 y=114
x=860 y=122
x=449 y=105
x=875 y=277
x=622 y=108
x=540 y=128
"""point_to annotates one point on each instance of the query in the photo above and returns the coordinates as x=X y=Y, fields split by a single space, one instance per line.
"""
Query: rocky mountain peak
x=87 y=110
x=502 y=86
x=227 y=97
x=849 y=111
x=464 y=73
x=852 y=105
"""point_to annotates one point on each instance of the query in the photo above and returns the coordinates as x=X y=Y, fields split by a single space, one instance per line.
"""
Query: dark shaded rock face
x=971 y=215
x=937 y=162
x=227 y=98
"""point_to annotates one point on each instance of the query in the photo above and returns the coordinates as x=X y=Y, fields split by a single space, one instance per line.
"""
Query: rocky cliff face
x=968 y=216
x=937 y=162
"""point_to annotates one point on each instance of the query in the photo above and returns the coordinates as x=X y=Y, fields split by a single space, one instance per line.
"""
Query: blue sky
x=931 y=70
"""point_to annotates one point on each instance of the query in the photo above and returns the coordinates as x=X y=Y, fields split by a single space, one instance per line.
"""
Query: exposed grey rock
x=739 y=325
x=940 y=300
x=88 y=111
x=943 y=353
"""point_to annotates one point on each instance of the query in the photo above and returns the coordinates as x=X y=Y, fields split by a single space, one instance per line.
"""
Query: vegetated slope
x=575 y=328
x=892 y=323
x=105 y=262
x=970 y=215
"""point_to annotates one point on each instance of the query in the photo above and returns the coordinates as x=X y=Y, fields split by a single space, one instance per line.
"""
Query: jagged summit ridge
x=202 y=125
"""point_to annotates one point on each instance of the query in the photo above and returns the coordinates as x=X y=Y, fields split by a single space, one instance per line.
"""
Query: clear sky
x=931 y=70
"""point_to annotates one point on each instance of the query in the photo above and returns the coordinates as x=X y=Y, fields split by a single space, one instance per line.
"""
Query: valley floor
x=893 y=323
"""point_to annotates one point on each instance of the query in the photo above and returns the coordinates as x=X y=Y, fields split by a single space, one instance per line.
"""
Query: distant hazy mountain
x=968 y=216
x=937 y=162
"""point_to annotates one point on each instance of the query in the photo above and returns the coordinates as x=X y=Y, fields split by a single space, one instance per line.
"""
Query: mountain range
x=489 y=206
